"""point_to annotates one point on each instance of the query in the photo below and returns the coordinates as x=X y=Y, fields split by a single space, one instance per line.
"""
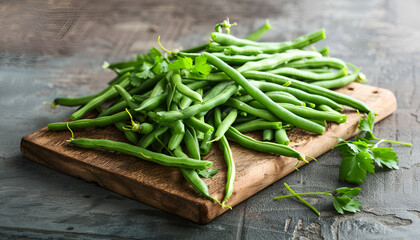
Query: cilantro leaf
x=181 y=63
x=208 y=173
x=145 y=71
x=160 y=67
x=201 y=66
x=385 y=156
x=134 y=80
x=342 y=204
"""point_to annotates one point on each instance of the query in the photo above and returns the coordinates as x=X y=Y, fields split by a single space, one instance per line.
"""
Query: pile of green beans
x=271 y=87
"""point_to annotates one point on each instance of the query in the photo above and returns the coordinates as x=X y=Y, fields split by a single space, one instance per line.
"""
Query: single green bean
x=178 y=132
x=142 y=153
x=191 y=142
x=177 y=81
x=260 y=146
x=258 y=124
x=225 y=124
x=151 y=103
x=206 y=144
x=317 y=62
x=305 y=75
x=268 y=134
x=339 y=82
x=148 y=139
x=94 y=122
x=257 y=34
x=281 y=137
x=278 y=97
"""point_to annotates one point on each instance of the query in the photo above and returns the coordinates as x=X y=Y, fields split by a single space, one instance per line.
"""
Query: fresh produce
x=217 y=91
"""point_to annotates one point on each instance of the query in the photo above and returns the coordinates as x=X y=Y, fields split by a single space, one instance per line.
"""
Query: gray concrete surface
x=56 y=49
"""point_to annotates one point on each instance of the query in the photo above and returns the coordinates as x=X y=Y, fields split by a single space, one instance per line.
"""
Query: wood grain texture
x=165 y=187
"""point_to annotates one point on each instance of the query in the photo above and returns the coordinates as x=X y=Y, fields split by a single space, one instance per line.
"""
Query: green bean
x=317 y=62
x=225 y=124
x=192 y=177
x=268 y=134
x=259 y=47
x=281 y=137
x=262 y=98
x=277 y=59
x=119 y=65
x=70 y=102
x=142 y=153
x=126 y=96
x=145 y=86
x=151 y=103
x=95 y=122
x=301 y=95
x=117 y=107
x=193 y=86
x=278 y=97
x=199 y=125
x=339 y=82
x=177 y=81
x=325 y=108
x=324 y=51
x=159 y=88
x=259 y=146
x=178 y=132
x=317 y=70
x=109 y=94
x=171 y=116
x=191 y=142
x=305 y=75
x=264 y=114
x=148 y=139
x=206 y=144
x=335 y=96
x=257 y=34
x=258 y=124
x=227 y=153
x=185 y=102
x=200 y=135
x=307 y=112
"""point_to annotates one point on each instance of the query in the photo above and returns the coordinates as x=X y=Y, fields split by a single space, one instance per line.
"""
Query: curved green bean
x=258 y=124
x=142 y=153
x=305 y=75
x=281 y=137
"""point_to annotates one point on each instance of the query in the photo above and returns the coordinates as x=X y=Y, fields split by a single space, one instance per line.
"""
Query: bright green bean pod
x=317 y=70
x=95 y=122
x=192 y=177
x=339 y=82
x=199 y=125
x=126 y=96
x=178 y=132
x=281 y=137
x=70 y=102
x=258 y=124
x=200 y=134
x=191 y=142
x=317 y=62
x=92 y=104
x=142 y=153
x=305 y=75
x=241 y=119
x=277 y=59
x=225 y=124
x=335 y=96
x=227 y=153
x=278 y=97
x=268 y=134
x=264 y=114
x=177 y=81
x=206 y=144
x=257 y=34
x=151 y=103
x=259 y=146
x=262 y=98
x=147 y=85
x=148 y=139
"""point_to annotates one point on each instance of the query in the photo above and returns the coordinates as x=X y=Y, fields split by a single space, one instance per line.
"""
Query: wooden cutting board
x=165 y=187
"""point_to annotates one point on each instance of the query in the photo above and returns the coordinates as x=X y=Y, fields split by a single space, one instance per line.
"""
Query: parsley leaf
x=208 y=173
x=201 y=67
x=342 y=204
x=181 y=63
x=385 y=156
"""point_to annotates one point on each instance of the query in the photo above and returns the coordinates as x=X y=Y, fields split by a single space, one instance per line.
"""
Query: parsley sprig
x=360 y=155
x=343 y=199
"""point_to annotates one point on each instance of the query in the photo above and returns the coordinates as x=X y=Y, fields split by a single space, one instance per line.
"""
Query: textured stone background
x=56 y=48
